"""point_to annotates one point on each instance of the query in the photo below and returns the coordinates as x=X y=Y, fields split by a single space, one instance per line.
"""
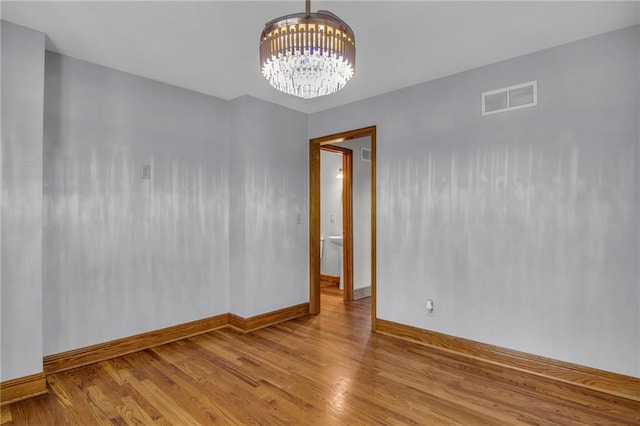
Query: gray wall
x=522 y=226
x=21 y=174
x=125 y=255
x=21 y=203
x=269 y=187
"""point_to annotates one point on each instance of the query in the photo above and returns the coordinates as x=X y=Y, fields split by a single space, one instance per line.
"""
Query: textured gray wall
x=523 y=226
x=21 y=203
x=125 y=255
x=268 y=187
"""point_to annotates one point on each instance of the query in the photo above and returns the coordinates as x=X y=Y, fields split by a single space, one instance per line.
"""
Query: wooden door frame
x=347 y=217
x=314 y=214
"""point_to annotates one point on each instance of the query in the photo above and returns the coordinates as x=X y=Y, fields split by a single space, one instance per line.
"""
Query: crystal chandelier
x=308 y=54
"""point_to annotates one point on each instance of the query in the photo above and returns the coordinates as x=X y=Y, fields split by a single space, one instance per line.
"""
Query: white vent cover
x=365 y=154
x=510 y=98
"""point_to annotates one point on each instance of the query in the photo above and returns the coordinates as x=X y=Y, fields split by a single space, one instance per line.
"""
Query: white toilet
x=337 y=240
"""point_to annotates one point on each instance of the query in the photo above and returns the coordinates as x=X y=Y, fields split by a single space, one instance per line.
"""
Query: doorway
x=315 y=215
x=345 y=240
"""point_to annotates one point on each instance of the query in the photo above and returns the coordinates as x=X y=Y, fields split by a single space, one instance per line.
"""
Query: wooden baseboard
x=238 y=322
x=115 y=348
x=275 y=317
x=22 y=388
x=330 y=279
x=107 y=350
x=270 y=318
x=619 y=385
x=361 y=293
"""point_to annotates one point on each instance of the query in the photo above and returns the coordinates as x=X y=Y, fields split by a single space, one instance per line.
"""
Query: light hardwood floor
x=320 y=370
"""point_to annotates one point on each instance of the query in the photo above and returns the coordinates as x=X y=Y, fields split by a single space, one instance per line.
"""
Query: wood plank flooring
x=320 y=370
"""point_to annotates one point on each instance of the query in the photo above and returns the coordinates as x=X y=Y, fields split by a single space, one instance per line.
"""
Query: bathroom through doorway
x=336 y=237
x=356 y=150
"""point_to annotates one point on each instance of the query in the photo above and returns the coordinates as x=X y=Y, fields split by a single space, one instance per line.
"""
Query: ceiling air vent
x=510 y=98
x=365 y=154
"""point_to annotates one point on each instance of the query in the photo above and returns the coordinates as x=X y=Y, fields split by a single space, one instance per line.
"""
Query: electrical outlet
x=431 y=308
x=298 y=219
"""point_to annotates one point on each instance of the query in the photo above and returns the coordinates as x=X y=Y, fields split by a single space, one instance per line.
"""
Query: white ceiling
x=212 y=46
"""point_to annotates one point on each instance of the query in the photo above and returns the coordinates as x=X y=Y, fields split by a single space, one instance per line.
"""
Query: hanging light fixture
x=308 y=54
x=340 y=175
